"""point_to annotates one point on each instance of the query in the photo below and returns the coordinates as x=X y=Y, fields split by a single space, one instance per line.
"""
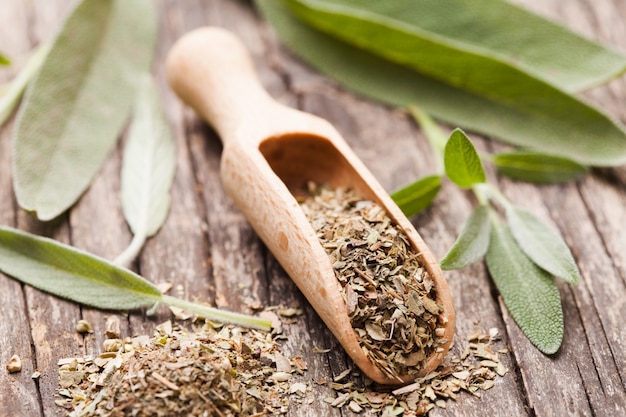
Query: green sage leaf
x=147 y=169
x=72 y=274
x=79 y=101
x=11 y=97
x=447 y=37
x=529 y=292
x=472 y=243
x=528 y=113
x=4 y=60
x=463 y=165
x=78 y=276
x=417 y=196
x=537 y=167
x=542 y=244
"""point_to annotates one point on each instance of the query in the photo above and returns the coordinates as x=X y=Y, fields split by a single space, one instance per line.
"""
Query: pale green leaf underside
x=542 y=244
x=468 y=42
x=462 y=163
x=72 y=274
x=472 y=243
x=77 y=104
x=529 y=292
x=417 y=196
x=148 y=165
x=537 y=167
x=536 y=120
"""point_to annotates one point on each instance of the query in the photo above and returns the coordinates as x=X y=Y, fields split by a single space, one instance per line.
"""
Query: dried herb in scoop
x=390 y=297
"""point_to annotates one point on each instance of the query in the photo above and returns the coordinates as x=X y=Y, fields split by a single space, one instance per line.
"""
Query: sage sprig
x=147 y=169
x=528 y=109
x=86 y=279
x=521 y=255
x=78 y=102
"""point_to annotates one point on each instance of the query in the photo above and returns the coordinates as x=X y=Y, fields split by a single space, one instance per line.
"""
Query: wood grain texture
x=209 y=252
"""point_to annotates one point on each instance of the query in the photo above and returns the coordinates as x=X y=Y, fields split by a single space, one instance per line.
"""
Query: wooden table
x=210 y=254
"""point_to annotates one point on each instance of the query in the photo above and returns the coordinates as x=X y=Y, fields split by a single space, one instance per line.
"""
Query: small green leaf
x=4 y=60
x=11 y=97
x=542 y=244
x=78 y=276
x=147 y=169
x=79 y=101
x=462 y=162
x=472 y=243
x=537 y=167
x=72 y=274
x=529 y=292
x=417 y=196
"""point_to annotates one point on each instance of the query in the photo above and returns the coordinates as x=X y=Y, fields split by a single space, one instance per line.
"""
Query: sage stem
x=132 y=251
x=219 y=315
x=433 y=133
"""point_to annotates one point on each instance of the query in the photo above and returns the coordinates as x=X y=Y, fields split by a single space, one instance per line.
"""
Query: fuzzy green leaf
x=472 y=243
x=79 y=101
x=147 y=169
x=78 y=276
x=11 y=97
x=482 y=42
x=463 y=165
x=72 y=274
x=529 y=292
x=542 y=244
x=528 y=112
x=417 y=196
x=148 y=165
x=537 y=167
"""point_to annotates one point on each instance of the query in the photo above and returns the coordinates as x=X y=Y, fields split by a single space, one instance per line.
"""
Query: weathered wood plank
x=18 y=391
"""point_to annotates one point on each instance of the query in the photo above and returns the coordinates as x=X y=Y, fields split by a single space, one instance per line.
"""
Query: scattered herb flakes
x=213 y=370
x=14 y=364
x=474 y=371
x=389 y=296
x=83 y=327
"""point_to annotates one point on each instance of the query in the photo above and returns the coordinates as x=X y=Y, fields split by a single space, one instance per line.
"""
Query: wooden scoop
x=270 y=152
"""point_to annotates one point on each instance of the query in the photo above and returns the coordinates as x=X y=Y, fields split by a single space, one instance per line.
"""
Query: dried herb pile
x=389 y=296
x=211 y=371
x=474 y=371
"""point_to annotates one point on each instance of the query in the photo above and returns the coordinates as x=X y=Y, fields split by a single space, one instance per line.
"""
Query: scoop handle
x=211 y=71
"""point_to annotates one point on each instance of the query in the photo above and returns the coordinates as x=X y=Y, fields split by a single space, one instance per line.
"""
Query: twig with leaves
x=522 y=254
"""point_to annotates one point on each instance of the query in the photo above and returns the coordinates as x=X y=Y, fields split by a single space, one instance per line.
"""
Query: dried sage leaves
x=390 y=297
x=213 y=370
